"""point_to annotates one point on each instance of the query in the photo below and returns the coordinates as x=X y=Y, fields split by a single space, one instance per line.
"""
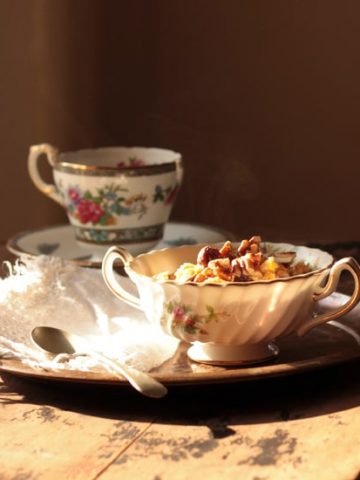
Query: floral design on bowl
x=179 y=316
x=232 y=322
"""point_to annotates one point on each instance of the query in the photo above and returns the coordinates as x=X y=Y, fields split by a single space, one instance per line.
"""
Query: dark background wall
x=261 y=97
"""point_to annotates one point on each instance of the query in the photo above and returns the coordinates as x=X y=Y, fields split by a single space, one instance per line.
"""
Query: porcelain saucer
x=60 y=241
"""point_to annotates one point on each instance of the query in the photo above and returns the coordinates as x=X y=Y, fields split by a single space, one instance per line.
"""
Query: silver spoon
x=56 y=341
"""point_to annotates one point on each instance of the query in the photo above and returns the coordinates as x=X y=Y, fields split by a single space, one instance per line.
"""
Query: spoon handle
x=141 y=381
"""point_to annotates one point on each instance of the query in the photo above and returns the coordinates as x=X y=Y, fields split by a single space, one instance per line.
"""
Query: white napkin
x=48 y=291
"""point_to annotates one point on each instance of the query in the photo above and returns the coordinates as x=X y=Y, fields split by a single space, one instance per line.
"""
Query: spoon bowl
x=56 y=341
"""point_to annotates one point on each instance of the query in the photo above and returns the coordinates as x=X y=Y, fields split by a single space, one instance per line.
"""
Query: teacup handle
x=179 y=171
x=113 y=254
x=52 y=156
x=349 y=264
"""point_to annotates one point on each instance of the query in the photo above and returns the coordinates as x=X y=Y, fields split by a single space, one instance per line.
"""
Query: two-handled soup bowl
x=233 y=322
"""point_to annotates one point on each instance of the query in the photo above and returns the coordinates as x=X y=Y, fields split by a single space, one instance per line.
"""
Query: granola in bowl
x=249 y=261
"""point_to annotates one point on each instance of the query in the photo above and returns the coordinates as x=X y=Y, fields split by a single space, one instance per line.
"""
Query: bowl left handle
x=110 y=257
x=349 y=264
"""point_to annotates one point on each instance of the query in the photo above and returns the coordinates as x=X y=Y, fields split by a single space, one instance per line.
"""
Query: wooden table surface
x=304 y=426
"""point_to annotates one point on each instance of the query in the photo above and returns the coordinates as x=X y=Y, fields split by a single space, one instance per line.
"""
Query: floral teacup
x=114 y=195
x=231 y=323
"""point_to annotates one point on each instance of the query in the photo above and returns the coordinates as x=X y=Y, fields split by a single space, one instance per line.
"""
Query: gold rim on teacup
x=112 y=195
x=57 y=161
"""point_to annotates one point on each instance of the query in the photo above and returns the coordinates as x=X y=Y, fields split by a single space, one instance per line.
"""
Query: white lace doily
x=47 y=291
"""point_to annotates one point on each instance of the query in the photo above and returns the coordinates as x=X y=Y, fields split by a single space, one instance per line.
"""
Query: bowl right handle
x=349 y=264
x=110 y=257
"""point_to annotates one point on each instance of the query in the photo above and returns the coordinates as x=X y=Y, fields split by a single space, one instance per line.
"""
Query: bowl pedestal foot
x=231 y=355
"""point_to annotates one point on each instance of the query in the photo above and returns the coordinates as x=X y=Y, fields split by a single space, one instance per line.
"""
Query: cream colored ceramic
x=114 y=195
x=235 y=322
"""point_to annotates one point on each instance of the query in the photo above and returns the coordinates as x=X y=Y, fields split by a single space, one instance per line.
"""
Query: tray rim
x=224 y=375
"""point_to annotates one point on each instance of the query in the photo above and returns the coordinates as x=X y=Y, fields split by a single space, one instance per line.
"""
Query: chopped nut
x=255 y=239
x=224 y=263
x=227 y=250
x=222 y=268
x=207 y=254
x=244 y=245
x=236 y=267
x=254 y=248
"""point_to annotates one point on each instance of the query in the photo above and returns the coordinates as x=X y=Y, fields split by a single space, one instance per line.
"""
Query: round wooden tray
x=327 y=345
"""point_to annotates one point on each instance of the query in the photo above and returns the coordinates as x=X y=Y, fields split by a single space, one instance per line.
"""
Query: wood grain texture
x=44 y=439
x=301 y=427
x=297 y=449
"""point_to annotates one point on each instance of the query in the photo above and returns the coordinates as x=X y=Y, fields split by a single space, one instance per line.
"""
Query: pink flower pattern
x=89 y=212
x=183 y=317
